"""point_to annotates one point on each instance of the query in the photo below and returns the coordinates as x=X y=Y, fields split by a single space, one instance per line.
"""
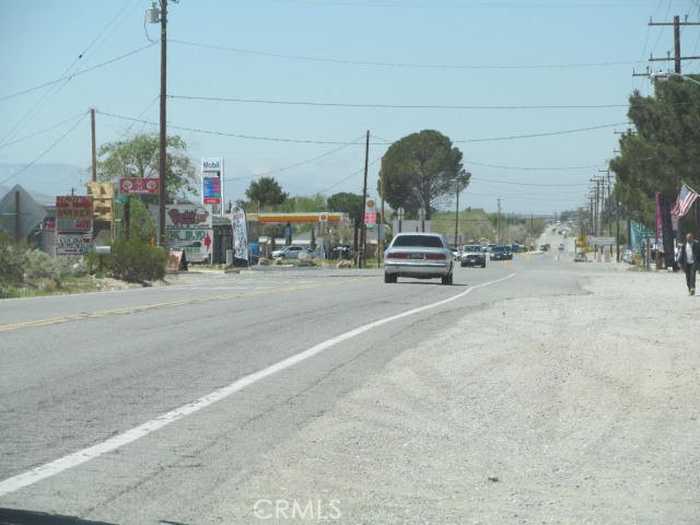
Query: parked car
x=291 y=252
x=473 y=255
x=420 y=256
x=580 y=257
x=545 y=247
x=501 y=253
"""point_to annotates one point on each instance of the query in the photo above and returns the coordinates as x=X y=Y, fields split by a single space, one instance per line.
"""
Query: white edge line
x=52 y=468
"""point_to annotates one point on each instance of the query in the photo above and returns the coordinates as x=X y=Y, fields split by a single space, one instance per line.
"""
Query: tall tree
x=139 y=157
x=419 y=169
x=265 y=191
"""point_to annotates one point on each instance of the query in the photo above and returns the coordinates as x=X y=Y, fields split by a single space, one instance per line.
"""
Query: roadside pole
x=94 y=145
x=18 y=223
x=162 y=166
x=363 y=232
x=380 y=232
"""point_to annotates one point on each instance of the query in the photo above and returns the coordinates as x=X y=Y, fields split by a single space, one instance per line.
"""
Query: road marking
x=47 y=470
x=142 y=308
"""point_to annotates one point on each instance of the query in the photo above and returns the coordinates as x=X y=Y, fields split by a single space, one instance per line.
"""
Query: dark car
x=501 y=253
x=472 y=255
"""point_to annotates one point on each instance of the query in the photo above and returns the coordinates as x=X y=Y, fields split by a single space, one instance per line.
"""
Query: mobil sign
x=212 y=180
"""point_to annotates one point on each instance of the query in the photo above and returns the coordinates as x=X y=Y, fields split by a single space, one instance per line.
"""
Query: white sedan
x=418 y=255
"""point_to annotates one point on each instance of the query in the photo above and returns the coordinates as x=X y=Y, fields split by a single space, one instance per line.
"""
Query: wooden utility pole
x=18 y=217
x=677 y=58
x=94 y=145
x=457 y=216
x=162 y=164
x=498 y=222
x=363 y=231
x=382 y=226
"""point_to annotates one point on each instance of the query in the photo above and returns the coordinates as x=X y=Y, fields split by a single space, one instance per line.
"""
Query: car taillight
x=436 y=256
x=397 y=255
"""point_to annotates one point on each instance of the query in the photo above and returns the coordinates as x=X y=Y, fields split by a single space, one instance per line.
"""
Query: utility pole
x=18 y=216
x=162 y=165
x=94 y=145
x=363 y=231
x=498 y=222
x=677 y=58
x=457 y=216
x=381 y=232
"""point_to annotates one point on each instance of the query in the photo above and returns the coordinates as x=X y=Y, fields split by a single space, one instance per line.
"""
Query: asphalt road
x=78 y=371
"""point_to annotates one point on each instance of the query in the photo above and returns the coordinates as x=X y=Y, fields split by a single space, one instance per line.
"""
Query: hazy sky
x=41 y=40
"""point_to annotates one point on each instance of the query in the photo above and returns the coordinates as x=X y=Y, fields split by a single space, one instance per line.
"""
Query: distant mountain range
x=44 y=181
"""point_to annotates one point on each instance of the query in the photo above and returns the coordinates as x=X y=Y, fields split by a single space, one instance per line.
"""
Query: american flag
x=685 y=201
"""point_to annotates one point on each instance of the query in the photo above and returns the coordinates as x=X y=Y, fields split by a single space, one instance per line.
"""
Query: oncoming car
x=418 y=255
x=473 y=255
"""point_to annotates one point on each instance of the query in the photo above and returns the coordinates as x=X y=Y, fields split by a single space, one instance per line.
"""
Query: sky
x=490 y=62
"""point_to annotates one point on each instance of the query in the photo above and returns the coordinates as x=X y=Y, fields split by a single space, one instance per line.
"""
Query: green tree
x=419 y=169
x=265 y=191
x=661 y=153
x=139 y=156
x=352 y=204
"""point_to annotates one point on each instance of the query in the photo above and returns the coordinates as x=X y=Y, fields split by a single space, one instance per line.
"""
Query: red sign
x=139 y=186
x=74 y=213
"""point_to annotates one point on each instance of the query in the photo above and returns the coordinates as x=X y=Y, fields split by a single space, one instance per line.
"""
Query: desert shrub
x=137 y=261
x=12 y=260
x=40 y=265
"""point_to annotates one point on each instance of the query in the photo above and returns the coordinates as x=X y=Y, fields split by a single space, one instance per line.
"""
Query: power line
x=529 y=168
x=407 y=65
x=376 y=143
x=495 y=181
x=297 y=164
x=393 y=106
x=41 y=131
x=47 y=150
x=353 y=174
x=77 y=73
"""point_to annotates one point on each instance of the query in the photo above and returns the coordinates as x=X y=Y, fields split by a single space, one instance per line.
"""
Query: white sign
x=240 y=234
x=188 y=228
x=212 y=164
x=73 y=243
x=601 y=241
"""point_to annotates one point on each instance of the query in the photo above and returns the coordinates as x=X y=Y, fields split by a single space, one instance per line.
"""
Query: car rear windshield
x=422 y=241
x=472 y=248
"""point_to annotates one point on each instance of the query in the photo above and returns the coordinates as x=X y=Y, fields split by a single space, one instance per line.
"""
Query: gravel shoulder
x=569 y=409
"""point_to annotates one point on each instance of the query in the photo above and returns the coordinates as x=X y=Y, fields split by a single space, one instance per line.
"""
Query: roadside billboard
x=188 y=228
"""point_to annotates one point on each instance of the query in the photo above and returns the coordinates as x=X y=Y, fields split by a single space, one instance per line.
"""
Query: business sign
x=73 y=214
x=601 y=241
x=139 y=186
x=188 y=228
x=102 y=194
x=73 y=243
x=211 y=190
x=240 y=234
x=370 y=213
x=212 y=180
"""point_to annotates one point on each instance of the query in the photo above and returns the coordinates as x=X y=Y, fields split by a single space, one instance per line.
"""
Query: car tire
x=388 y=278
x=483 y=265
x=447 y=279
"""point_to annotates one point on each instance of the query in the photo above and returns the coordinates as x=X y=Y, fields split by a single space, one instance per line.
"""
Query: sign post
x=213 y=183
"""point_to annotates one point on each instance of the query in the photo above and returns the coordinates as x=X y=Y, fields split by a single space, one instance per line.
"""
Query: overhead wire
x=394 y=106
x=44 y=152
x=339 y=142
x=77 y=73
x=409 y=65
x=41 y=131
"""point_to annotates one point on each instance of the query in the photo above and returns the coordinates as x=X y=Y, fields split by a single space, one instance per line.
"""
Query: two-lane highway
x=156 y=395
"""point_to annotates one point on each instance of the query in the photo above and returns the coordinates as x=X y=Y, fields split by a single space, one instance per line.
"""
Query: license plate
x=416 y=256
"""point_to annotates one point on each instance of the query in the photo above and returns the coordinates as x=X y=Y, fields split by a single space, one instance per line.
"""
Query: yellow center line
x=146 y=307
